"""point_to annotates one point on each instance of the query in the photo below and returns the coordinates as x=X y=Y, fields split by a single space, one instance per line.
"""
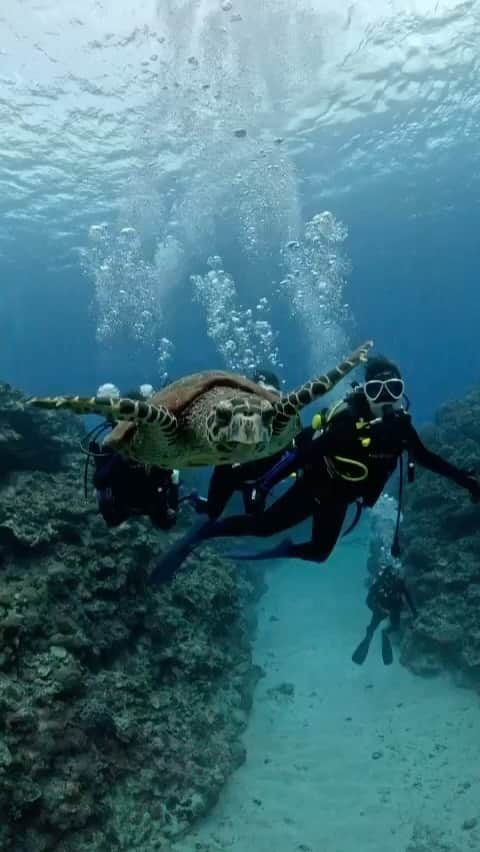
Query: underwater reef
x=440 y=536
x=121 y=705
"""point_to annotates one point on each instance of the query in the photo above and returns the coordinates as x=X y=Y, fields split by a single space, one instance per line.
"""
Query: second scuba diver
x=386 y=599
x=346 y=457
x=125 y=489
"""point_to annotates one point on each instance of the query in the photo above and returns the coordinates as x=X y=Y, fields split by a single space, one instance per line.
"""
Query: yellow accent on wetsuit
x=320 y=420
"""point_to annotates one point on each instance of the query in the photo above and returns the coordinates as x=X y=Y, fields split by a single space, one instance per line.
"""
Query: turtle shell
x=180 y=394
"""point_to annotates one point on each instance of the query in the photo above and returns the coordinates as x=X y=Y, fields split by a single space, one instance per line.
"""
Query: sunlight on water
x=158 y=93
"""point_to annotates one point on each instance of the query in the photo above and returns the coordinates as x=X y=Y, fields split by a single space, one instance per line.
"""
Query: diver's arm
x=432 y=461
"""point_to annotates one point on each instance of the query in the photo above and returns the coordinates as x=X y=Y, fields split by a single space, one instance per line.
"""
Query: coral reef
x=441 y=552
x=121 y=705
x=29 y=440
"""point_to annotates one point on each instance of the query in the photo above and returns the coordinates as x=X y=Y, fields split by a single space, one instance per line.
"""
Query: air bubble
x=96 y=232
x=240 y=337
x=126 y=288
x=314 y=286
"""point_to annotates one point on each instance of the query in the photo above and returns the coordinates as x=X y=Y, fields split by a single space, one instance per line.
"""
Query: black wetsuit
x=125 y=488
x=354 y=445
x=227 y=479
x=386 y=599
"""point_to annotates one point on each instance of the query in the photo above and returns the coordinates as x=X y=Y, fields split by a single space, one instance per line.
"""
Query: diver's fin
x=172 y=559
x=387 y=651
x=280 y=550
x=243 y=554
x=360 y=654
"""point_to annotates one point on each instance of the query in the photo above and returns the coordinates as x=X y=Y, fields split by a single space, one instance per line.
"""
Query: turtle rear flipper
x=292 y=403
x=133 y=410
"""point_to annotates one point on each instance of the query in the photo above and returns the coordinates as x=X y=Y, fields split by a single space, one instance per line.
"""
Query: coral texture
x=441 y=552
x=121 y=705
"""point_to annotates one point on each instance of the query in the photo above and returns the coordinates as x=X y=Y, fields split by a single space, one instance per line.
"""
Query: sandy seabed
x=342 y=758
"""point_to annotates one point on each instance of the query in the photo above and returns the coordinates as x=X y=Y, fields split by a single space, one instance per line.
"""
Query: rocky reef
x=23 y=431
x=121 y=705
x=441 y=552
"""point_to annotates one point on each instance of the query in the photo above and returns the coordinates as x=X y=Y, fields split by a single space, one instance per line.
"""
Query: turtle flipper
x=292 y=403
x=134 y=410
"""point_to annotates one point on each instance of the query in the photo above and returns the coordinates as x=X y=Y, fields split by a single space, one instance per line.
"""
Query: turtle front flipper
x=291 y=404
x=134 y=410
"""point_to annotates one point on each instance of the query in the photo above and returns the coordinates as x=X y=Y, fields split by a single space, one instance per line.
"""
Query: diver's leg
x=326 y=527
x=377 y=617
x=222 y=485
x=393 y=626
x=290 y=509
x=360 y=654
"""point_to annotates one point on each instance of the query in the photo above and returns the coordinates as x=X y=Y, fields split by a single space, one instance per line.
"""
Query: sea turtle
x=213 y=417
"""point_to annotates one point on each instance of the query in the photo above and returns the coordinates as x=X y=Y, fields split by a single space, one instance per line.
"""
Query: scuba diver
x=125 y=488
x=386 y=598
x=227 y=479
x=345 y=458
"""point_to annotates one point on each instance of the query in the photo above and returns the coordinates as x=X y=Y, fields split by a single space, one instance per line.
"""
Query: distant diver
x=345 y=457
x=386 y=598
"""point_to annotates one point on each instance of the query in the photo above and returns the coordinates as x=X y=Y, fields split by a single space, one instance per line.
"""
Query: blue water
x=126 y=115
x=120 y=115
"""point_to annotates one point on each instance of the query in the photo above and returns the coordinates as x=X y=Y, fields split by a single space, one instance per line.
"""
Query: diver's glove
x=279 y=551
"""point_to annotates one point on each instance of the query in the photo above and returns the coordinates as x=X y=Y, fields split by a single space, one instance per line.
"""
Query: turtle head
x=241 y=421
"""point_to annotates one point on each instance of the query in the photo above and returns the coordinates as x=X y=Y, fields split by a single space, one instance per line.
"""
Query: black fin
x=360 y=654
x=172 y=559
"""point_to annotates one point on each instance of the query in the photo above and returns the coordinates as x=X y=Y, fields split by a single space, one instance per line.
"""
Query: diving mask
x=378 y=390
